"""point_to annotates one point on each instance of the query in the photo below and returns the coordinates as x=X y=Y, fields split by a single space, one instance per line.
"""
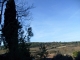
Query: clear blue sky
x=55 y=20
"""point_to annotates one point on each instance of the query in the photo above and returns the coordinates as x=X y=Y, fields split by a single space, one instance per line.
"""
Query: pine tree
x=10 y=28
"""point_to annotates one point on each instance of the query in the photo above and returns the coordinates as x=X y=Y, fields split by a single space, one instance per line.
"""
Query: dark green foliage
x=43 y=51
x=24 y=47
x=77 y=55
x=11 y=26
x=30 y=34
x=10 y=30
x=37 y=44
x=62 y=57
x=17 y=48
x=17 y=45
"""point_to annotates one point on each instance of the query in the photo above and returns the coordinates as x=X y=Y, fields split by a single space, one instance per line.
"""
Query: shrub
x=76 y=55
x=62 y=57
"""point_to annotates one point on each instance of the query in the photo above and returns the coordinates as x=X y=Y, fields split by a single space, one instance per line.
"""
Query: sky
x=55 y=20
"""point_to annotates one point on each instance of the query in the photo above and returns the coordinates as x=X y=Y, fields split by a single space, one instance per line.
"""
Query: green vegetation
x=76 y=53
x=62 y=57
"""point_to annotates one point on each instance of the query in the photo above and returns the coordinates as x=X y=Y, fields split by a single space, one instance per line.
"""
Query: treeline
x=37 y=44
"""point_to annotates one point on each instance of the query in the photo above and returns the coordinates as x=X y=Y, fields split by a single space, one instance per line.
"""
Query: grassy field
x=55 y=48
x=67 y=49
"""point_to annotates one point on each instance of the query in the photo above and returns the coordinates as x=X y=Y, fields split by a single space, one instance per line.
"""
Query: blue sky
x=55 y=20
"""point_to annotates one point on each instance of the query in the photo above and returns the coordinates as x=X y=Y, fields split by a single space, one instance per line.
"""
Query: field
x=54 y=48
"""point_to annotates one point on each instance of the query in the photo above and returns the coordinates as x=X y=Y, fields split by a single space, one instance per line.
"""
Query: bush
x=76 y=55
x=62 y=57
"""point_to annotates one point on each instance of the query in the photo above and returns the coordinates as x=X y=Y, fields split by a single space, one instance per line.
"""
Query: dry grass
x=51 y=55
x=67 y=49
x=2 y=51
x=61 y=49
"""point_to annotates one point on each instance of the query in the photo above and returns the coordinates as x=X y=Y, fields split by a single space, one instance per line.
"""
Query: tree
x=10 y=29
x=24 y=46
x=43 y=51
x=11 y=26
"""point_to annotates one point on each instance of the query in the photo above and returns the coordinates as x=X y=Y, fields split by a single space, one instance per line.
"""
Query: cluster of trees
x=13 y=33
